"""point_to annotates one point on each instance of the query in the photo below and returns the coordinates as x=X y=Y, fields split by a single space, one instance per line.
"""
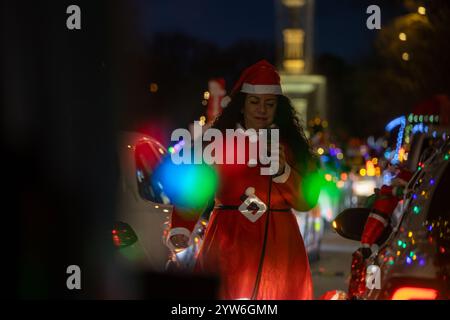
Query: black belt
x=229 y=207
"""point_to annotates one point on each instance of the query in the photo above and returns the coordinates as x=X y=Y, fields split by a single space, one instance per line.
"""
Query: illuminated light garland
x=439 y=228
x=402 y=122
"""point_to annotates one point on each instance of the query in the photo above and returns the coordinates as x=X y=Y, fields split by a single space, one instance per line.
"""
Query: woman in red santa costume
x=252 y=241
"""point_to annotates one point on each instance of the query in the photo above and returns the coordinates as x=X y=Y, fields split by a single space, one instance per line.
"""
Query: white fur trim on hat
x=379 y=218
x=261 y=88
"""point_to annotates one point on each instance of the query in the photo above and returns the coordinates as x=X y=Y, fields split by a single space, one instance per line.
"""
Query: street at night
x=332 y=270
x=255 y=153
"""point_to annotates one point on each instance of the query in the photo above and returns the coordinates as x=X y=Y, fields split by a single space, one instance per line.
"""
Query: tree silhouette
x=412 y=60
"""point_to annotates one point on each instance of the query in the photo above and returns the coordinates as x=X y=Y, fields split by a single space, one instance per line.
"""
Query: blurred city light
x=188 y=186
x=422 y=10
x=364 y=188
x=405 y=56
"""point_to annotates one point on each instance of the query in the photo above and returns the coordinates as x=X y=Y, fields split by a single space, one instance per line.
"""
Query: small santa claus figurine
x=216 y=88
x=386 y=200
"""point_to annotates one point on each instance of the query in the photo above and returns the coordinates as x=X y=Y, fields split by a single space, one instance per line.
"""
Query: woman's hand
x=281 y=160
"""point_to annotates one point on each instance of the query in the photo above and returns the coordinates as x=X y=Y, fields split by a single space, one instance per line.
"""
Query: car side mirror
x=350 y=224
x=123 y=235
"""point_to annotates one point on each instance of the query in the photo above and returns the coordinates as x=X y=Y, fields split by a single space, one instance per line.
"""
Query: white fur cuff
x=285 y=176
x=176 y=231
x=379 y=218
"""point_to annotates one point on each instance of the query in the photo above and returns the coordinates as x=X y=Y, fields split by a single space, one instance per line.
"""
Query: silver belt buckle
x=251 y=214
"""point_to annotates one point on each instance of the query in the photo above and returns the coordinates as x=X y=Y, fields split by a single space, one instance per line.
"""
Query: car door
x=139 y=154
x=410 y=262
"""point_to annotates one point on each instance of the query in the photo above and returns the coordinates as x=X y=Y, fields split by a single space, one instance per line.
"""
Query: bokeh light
x=188 y=186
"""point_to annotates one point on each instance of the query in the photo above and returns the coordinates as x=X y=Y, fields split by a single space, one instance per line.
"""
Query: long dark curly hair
x=291 y=131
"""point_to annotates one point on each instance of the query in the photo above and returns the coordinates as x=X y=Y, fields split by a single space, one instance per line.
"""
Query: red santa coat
x=233 y=244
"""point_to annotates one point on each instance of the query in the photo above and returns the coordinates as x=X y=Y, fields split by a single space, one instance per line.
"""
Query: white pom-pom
x=225 y=101
x=249 y=191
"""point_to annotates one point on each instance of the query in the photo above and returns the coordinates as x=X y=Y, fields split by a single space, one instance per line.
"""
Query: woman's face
x=259 y=110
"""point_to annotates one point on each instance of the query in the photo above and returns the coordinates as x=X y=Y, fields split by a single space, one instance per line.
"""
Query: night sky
x=340 y=26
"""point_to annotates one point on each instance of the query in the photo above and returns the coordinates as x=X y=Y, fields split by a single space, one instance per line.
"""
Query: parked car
x=413 y=259
x=140 y=227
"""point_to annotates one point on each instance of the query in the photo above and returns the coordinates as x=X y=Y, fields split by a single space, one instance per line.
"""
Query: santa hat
x=260 y=78
x=219 y=81
x=403 y=177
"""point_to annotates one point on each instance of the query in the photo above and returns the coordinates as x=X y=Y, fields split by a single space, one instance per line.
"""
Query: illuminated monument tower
x=294 y=28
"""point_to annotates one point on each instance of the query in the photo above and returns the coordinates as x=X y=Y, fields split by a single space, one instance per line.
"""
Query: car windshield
x=147 y=158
